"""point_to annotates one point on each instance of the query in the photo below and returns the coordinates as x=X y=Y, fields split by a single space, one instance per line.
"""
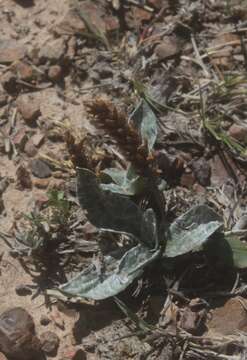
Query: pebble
x=228 y=318
x=30 y=149
x=71 y=24
x=24 y=71
x=45 y=320
x=49 y=342
x=238 y=132
x=41 y=183
x=38 y=139
x=52 y=51
x=10 y=52
x=111 y=24
x=167 y=48
x=40 y=169
x=55 y=73
x=17 y=335
x=23 y=290
x=29 y=108
x=187 y=180
x=41 y=200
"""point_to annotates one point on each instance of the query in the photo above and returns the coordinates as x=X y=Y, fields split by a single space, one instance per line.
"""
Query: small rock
x=70 y=24
x=41 y=183
x=202 y=171
x=53 y=51
x=55 y=73
x=17 y=335
x=23 y=178
x=228 y=318
x=49 y=343
x=8 y=81
x=167 y=48
x=30 y=149
x=20 y=138
x=23 y=290
x=111 y=24
x=238 y=132
x=37 y=139
x=193 y=321
x=45 y=320
x=41 y=200
x=10 y=52
x=40 y=169
x=187 y=180
x=24 y=71
x=29 y=108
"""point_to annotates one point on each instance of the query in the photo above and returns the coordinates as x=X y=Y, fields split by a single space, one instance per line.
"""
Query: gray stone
x=40 y=169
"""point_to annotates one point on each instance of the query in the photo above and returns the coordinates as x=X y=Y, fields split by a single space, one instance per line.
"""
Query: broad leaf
x=107 y=210
x=226 y=250
x=239 y=251
x=127 y=182
x=118 y=275
x=144 y=119
x=191 y=230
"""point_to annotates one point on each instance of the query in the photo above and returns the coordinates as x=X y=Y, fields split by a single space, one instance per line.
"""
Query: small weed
x=44 y=227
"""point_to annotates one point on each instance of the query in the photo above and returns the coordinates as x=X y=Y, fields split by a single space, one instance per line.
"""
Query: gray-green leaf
x=127 y=182
x=145 y=120
x=107 y=210
x=239 y=251
x=117 y=276
x=189 y=231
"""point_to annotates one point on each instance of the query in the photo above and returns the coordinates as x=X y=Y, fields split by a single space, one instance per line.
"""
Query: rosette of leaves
x=109 y=208
x=113 y=212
